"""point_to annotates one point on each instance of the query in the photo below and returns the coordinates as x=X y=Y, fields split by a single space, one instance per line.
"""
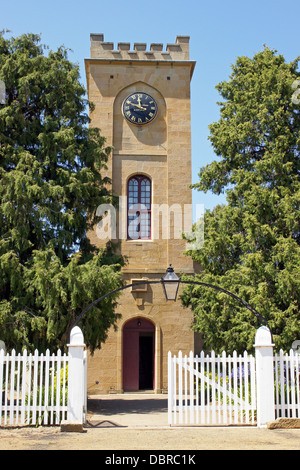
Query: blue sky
x=219 y=31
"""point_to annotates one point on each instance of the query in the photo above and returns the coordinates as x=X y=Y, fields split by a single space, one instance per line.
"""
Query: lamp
x=170 y=284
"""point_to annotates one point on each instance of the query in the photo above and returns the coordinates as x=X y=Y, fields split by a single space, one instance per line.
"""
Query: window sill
x=138 y=241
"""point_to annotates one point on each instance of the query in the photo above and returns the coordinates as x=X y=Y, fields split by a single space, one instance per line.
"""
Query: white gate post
x=75 y=382
x=264 y=377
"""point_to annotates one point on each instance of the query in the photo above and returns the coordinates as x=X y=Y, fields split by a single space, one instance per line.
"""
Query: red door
x=130 y=360
x=138 y=357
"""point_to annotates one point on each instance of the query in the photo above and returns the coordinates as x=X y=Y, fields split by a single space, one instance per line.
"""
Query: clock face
x=139 y=108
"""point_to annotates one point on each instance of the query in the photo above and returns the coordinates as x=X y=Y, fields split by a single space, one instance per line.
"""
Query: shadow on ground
x=123 y=411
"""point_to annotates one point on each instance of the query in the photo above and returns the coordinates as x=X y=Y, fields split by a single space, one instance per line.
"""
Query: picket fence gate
x=36 y=387
x=234 y=390
x=210 y=389
x=287 y=384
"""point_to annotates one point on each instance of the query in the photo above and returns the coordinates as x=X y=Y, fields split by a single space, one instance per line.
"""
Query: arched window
x=139 y=208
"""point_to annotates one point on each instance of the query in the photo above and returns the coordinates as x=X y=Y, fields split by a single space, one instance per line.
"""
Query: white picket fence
x=36 y=387
x=210 y=389
x=287 y=384
x=237 y=389
x=46 y=389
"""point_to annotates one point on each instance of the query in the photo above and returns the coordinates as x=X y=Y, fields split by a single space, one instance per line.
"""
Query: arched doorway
x=138 y=355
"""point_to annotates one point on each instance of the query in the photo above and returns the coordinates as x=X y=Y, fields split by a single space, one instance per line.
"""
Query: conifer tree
x=50 y=188
x=251 y=244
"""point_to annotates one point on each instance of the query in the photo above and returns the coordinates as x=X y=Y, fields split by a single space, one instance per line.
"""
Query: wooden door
x=138 y=355
x=130 y=360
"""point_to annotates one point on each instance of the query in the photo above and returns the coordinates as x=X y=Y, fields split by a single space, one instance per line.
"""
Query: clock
x=139 y=108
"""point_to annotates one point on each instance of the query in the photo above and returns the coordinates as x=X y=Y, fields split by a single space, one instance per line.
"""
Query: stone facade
x=160 y=150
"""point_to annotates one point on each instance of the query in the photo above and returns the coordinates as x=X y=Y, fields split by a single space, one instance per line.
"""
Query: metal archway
x=261 y=319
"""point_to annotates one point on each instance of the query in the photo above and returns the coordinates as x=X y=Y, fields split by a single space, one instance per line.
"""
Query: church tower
x=142 y=107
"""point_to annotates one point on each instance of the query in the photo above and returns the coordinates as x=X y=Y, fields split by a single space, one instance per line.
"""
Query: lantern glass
x=170 y=283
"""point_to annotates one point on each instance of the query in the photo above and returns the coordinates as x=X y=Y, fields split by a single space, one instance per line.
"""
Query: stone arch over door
x=138 y=355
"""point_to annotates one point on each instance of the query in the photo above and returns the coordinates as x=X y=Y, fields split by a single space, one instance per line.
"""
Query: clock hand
x=136 y=105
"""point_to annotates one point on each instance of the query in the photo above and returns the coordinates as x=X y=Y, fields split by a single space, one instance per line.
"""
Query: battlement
x=173 y=52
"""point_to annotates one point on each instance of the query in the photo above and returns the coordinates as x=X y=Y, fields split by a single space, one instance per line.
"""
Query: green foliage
x=50 y=188
x=251 y=244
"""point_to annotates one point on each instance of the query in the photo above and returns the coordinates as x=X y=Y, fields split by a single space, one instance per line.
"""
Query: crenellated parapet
x=106 y=50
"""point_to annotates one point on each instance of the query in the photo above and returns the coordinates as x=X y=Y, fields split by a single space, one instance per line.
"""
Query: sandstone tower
x=142 y=106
